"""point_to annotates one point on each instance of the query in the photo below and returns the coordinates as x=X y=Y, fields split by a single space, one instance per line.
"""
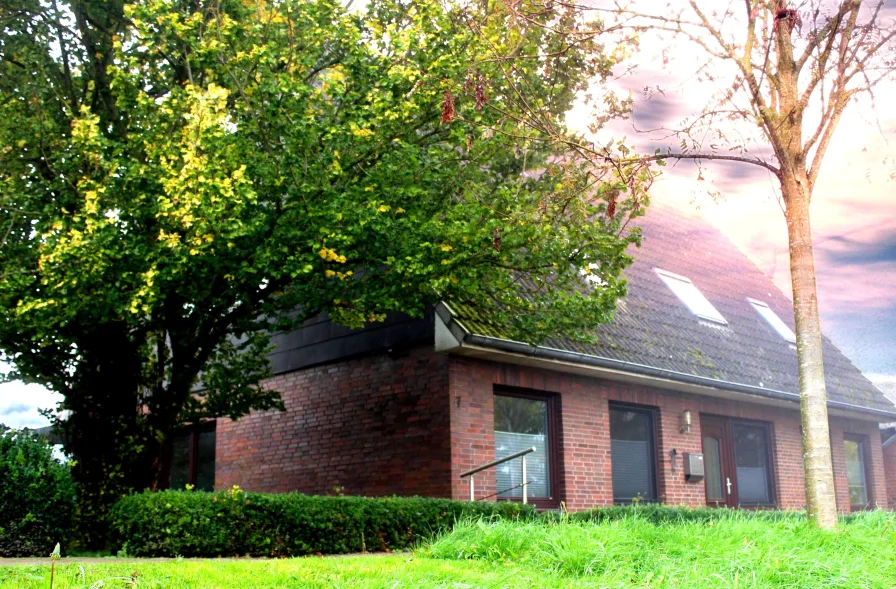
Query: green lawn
x=732 y=553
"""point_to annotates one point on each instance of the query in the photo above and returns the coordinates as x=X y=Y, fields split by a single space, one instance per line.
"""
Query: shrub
x=236 y=523
x=670 y=514
x=36 y=496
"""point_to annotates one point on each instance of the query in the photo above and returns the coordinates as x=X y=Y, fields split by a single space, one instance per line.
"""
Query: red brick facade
x=378 y=426
x=372 y=426
x=890 y=471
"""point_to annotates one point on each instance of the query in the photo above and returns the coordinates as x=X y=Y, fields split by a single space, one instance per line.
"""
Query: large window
x=856 y=472
x=524 y=421
x=193 y=458
x=633 y=454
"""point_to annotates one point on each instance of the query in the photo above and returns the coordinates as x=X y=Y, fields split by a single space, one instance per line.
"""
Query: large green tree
x=179 y=178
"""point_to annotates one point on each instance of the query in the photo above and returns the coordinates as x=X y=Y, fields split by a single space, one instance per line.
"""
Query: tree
x=182 y=178
x=790 y=71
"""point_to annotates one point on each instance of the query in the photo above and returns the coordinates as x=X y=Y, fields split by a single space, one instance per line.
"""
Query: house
x=689 y=397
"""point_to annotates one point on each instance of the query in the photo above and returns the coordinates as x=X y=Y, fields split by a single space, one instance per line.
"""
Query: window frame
x=552 y=403
x=777 y=324
x=193 y=429
x=862 y=441
x=715 y=317
x=653 y=414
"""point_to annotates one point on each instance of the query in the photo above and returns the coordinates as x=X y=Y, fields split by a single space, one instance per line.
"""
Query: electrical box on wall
x=693 y=467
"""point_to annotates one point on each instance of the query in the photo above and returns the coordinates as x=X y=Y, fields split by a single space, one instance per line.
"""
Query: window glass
x=691 y=296
x=712 y=463
x=522 y=423
x=180 y=461
x=632 y=452
x=751 y=462
x=773 y=320
x=205 y=470
x=855 y=472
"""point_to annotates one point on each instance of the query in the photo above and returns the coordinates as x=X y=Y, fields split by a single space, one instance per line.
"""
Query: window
x=856 y=471
x=773 y=320
x=633 y=453
x=693 y=299
x=193 y=457
x=524 y=420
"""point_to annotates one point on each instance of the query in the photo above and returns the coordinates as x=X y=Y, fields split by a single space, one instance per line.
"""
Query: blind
x=509 y=474
x=631 y=470
x=752 y=485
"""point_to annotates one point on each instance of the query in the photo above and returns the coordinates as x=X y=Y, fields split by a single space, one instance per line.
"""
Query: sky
x=853 y=214
x=853 y=210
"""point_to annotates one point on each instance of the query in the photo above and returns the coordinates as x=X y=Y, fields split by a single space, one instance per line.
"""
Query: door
x=717 y=463
x=737 y=463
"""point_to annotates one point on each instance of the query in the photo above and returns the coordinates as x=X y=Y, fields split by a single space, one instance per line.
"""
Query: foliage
x=739 y=549
x=236 y=523
x=656 y=513
x=180 y=178
x=36 y=496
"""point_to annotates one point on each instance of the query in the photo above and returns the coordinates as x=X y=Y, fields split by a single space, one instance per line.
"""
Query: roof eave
x=461 y=341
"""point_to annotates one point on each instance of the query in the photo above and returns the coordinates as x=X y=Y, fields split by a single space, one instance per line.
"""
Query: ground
x=736 y=552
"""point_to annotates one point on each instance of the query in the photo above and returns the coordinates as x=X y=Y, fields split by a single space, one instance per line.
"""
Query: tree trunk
x=104 y=430
x=821 y=500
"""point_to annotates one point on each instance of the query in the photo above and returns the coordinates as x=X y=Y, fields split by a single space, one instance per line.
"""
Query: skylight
x=772 y=319
x=693 y=299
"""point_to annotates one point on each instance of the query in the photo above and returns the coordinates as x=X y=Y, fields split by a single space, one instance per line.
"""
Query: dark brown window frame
x=193 y=429
x=863 y=441
x=654 y=413
x=552 y=401
x=770 y=451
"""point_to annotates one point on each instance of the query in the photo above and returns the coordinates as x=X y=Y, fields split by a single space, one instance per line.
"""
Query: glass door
x=716 y=464
x=737 y=463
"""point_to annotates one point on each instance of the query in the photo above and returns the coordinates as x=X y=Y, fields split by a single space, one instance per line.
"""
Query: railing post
x=472 y=489
x=525 y=481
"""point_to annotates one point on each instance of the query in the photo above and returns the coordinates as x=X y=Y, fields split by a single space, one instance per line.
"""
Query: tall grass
x=734 y=551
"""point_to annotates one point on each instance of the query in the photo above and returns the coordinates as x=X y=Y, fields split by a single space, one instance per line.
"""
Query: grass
x=735 y=551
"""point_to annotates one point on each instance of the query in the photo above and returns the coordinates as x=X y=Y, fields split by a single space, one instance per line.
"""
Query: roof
x=655 y=332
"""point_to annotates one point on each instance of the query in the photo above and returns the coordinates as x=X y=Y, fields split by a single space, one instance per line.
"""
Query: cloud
x=885 y=382
x=15 y=409
x=881 y=248
x=20 y=404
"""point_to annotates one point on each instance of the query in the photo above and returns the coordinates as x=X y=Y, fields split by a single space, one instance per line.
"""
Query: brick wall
x=372 y=425
x=870 y=432
x=585 y=470
x=889 y=458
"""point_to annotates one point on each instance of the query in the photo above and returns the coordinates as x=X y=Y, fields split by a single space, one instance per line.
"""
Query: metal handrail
x=525 y=484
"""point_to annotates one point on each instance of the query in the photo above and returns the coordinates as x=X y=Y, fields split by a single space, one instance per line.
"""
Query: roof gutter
x=465 y=338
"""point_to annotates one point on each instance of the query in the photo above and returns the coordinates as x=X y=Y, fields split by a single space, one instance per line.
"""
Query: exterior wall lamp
x=685 y=427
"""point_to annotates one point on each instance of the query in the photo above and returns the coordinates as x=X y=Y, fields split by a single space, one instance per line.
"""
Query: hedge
x=36 y=496
x=236 y=523
x=673 y=514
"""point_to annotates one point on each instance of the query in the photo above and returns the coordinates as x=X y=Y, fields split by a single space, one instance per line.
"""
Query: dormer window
x=773 y=320
x=693 y=299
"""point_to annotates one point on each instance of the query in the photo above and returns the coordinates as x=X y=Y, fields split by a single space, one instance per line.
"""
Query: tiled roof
x=654 y=329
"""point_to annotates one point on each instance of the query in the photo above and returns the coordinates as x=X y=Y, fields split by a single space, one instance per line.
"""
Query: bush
x=236 y=523
x=36 y=496
x=668 y=514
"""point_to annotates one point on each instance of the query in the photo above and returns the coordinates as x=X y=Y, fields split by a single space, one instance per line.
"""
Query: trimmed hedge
x=236 y=523
x=37 y=496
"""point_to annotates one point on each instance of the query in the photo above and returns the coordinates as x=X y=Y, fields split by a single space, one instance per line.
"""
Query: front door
x=717 y=463
x=737 y=462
